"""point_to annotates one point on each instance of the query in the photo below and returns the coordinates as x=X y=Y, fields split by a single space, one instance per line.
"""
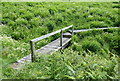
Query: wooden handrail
x=50 y=34
x=82 y=30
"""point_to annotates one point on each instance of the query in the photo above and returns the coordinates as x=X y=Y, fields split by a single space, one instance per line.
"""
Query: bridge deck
x=47 y=49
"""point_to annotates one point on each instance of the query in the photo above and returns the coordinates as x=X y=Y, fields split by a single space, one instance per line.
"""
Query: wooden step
x=68 y=35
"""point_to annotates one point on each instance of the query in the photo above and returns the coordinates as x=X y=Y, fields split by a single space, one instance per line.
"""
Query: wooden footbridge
x=52 y=47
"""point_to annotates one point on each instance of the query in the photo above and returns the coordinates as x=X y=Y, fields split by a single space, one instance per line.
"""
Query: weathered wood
x=20 y=63
x=65 y=42
x=32 y=50
x=45 y=36
x=61 y=36
x=72 y=30
x=82 y=30
x=53 y=46
x=50 y=34
x=47 y=49
x=67 y=27
x=67 y=35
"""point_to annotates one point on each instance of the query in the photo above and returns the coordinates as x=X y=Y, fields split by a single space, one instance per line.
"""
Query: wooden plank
x=20 y=63
x=45 y=36
x=67 y=27
x=32 y=51
x=67 y=35
x=82 y=30
x=73 y=30
x=56 y=46
x=50 y=34
x=61 y=37
x=47 y=49
x=66 y=40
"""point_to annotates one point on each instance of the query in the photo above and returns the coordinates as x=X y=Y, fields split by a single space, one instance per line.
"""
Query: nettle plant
x=43 y=12
x=28 y=15
x=21 y=22
x=35 y=22
x=92 y=45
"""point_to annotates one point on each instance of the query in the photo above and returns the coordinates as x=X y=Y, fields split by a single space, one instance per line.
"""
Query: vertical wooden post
x=72 y=30
x=32 y=51
x=61 y=36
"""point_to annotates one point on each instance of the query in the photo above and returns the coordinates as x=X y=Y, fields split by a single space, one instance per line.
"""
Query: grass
x=60 y=0
x=76 y=62
x=91 y=55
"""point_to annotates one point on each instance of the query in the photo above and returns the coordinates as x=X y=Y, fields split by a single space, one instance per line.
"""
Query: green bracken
x=90 y=55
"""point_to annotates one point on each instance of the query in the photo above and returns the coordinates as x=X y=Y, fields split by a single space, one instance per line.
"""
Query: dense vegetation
x=92 y=54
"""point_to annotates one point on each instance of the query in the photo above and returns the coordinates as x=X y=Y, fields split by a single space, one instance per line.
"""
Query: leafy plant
x=91 y=55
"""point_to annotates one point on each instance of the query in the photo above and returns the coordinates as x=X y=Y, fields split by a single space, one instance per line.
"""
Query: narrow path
x=82 y=30
x=51 y=47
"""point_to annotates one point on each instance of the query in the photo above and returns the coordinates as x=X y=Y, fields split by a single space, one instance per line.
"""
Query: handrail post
x=72 y=30
x=32 y=51
x=61 y=36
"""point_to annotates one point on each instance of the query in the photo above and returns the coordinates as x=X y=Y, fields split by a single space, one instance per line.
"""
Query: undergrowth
x=91 y=55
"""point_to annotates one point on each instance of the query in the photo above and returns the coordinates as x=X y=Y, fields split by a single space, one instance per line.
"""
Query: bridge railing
x=32 y=42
